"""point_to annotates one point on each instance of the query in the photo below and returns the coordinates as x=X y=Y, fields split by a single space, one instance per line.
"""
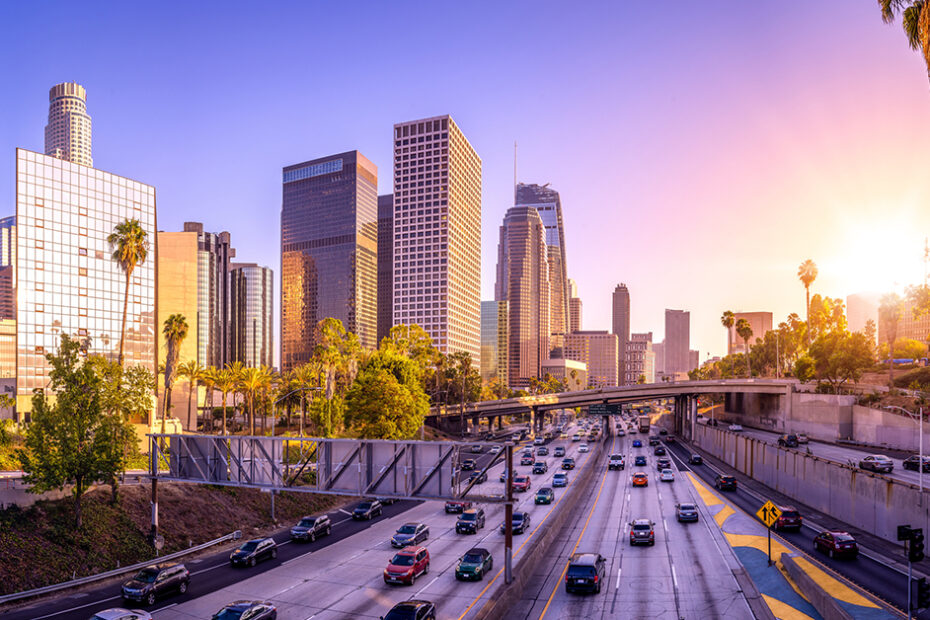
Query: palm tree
x=306 y=376
x=131 y=249
x=807 y=273
x=889 y=313
x=744 y=329
x=251 y=381
x=915 y=18
x=727 y=319
x=175 y=331
x=225 y=383
x=193 y=372
x=208 y=379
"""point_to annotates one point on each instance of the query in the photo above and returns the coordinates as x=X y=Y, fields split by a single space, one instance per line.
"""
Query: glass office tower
x=251 y=307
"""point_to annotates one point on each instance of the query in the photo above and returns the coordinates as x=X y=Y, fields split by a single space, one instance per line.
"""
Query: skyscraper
x=523 y=282
x=437 y=233
x=640 y=359
x=597 y=349
x=251 y=309
x=760 y=322
x=385 y=265
x=68 y=133
x=329 y=251
x=8 y=270
x=67 y=281
x=677 y=341
x=621 y=325
x=574 y=307
x=495 y=337
x=548 y=204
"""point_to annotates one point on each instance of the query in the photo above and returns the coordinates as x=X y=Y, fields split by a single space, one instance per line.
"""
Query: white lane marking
x=64 y=611
x=618 y=578
x=628 y=497
x=164 y=608
x=204 y=570
x=345 y=512
x=665 y=524
x=660 y=496
x=421 y=590
x=674 y=576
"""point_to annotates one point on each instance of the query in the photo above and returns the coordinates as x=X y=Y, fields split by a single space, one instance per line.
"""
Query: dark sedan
x=725 y=483
x=253 y=551
x=686 y=512
x=412 y=610
x=410 y=534
x=696 y=459
x=252 y=610
x=912 y=461
x=521 y=521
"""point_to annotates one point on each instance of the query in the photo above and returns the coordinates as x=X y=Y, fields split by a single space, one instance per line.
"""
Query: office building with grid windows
x=329 y=252
x=385 y=265
x=437 y=233
x=251 y=307
x=67 y=282
x=495 y=337
x=68 y=133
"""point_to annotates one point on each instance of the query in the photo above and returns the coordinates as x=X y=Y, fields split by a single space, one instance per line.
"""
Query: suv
x=469 y=464
x=725 y=483
x=521 y=483
x=790 y=518
x=310 y=527
x=659 y=451
x=616 y=462
x=877 y=463
x=153 y=582
x=406 y=565
x=252 y=551
x=568 y=463
x=470 y=521
x=559 y=451
x=453 y=507
x=653 y=441
x=367 y=510
x=788 y=441
x=527 y=459
x=696 y=459
x=540 y=467
x=663 y=463
x=585 y=572
x=642 y=532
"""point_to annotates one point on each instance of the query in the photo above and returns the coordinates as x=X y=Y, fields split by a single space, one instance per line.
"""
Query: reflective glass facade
x=385 y=265
x=251 y=305
x=329 y=252
x=494 y=341
x=66 y=279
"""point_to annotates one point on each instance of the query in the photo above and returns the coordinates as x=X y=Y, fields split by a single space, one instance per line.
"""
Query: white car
x=667 y=475
x=118 y=613
x=736 y=428
x=621 y=433
x=583 y=447
x=576 y=437
x=495 y=450
x=538 y=441
x=802 y=438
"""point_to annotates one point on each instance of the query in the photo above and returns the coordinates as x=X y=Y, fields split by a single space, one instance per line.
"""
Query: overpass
x=684 y=393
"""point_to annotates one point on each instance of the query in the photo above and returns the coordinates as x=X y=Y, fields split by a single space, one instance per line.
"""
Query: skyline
x=802 y=142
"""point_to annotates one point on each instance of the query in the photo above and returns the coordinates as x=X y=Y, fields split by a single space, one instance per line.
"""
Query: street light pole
x=920 y=444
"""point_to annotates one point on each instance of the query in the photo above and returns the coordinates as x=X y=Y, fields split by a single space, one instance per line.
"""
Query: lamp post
x=300 y=389
x=920 y=442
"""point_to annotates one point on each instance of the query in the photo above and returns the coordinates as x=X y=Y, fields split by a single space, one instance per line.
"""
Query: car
x=696 y=459
x=640 y=479
x=410 y=534
x=585 y=573
x=470 y=521
x=836 y=544
x=310 y=528
x=663 y=432
x=495 y=450
x=616 y=462
x=621 y=433
x=560 y=480
x=789 y=519
x=521 y=522
x=540 y=467
x=545 y=495
x=539 y=441
x=503 y=476
x=568 y=463
x=576 y=437
x=542 y=451
x=803 y=438
x=637 y=443
x=412 y=610
x=521 y=483
x=118 y=613
x=527 y=459
x=457 y=507
x=736 y=428
x=725 y=483
x=659 y=451
x=671 y=439
x=653 y=441
x=911 y=462
x=667 y=475
x=686 y=512
x=474 y=565
x=877 y=463
x=257 y=610
x=477 y=449
x=788 y=441
x=253 y=551
x=583 y=448
x=642 y=532
x=478 y=477
x=663 y=462
x=153 y=582
x=633 y=430
x=469 y=464
x=406 y=565
x=559 y=451
x=639 y=460
x=367 y=510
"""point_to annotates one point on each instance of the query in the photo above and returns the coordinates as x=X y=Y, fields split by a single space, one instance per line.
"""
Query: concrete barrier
x=825 y=604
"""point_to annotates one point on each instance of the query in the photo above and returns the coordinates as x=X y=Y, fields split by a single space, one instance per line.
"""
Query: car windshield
x=306 y=523
x=686 y=507
x=249 y=546
x=517 y=516
x=472 y=558
x=667 y=472
x=402 y=559
x=229 y=614
x=469 y=516
x=407 y=529
x=405 y=613
x=642 y=527
x=146 y=576
x=364 y=506
x=844 y=538
x=520 y=479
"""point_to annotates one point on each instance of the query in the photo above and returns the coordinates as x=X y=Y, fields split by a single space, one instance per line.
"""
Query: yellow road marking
x=783 y=611
x=707 y=496
x=833 y=587
x=724 y=513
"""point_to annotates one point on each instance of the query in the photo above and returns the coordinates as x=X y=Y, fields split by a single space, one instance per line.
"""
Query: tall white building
x=68 y=133
x=437 y=233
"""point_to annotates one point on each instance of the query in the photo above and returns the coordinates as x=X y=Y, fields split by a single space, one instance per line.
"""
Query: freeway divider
x=823 y=602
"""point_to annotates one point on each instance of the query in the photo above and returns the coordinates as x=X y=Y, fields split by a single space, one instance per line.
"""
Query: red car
x=406 y=565
x=527 y=459
x=836 y=544
x=521 y=483
x=453 y=507
x=790 y=519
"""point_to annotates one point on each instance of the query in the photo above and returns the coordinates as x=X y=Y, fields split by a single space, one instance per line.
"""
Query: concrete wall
x=827 y=417
x=864 y=500
x=878 y=427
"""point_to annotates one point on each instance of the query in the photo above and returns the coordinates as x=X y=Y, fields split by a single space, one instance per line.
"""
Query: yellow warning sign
x=769 y=513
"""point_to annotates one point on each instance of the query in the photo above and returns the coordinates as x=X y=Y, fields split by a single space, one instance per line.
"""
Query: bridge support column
x=500 y=422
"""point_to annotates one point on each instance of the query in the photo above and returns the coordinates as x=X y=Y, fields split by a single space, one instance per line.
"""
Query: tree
x=386 y=400
x=131 y=249
x=252 y=381
x=727 y=320
x=225 y=383
x=915 y=19
x=807 y=273
x=889 y=313
x=744 y=330
x=193 y=372
x=905 y=348
x=826 y=315
x=175 y=331
x=840 y=357
x=804 y=368
x=209 y=378
x=71 y=439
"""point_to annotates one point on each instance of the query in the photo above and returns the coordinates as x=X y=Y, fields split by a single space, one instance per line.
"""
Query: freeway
x=869 y=574
x=687 y=574
x=341 y=575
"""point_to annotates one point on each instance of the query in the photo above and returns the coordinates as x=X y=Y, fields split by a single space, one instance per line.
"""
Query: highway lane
x=882 y=581
x=685 y=574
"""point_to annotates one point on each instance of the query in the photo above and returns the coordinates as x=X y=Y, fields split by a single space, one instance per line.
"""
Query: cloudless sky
x=702 y=150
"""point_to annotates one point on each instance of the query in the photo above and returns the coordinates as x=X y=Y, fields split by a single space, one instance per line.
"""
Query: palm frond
x=890 y=8
x=910 y=21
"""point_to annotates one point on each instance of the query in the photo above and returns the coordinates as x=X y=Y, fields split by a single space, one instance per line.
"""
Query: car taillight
x=652 y=533
x=595 y=578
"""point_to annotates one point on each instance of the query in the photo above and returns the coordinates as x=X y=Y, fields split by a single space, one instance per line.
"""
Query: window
x=82 y=271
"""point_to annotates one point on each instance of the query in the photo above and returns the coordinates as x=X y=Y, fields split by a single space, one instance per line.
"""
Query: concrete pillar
x=500 y=422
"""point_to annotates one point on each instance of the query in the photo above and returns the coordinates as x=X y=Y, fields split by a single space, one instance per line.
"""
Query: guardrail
x=118 y=571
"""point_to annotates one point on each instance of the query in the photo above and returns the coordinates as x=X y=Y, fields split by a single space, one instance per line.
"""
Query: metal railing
x=115 y=572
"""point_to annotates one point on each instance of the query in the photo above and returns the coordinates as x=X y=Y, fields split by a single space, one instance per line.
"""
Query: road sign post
x=769 y=514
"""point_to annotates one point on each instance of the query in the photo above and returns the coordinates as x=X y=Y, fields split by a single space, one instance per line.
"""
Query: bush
x=918 y=376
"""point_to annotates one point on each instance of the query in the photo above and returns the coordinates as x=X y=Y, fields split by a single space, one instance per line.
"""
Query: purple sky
x=702 y=150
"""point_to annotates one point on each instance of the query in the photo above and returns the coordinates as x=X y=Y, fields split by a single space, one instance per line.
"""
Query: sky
x=702 y=150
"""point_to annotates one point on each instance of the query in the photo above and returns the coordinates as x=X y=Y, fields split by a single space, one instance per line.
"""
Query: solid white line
x=204 y=570
x=618 y=577
x=660 y=496
x=665 y=524
x=674 y=576
x=345 y=512
x=164 y=608
x=64 y=611
x=426 y=586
